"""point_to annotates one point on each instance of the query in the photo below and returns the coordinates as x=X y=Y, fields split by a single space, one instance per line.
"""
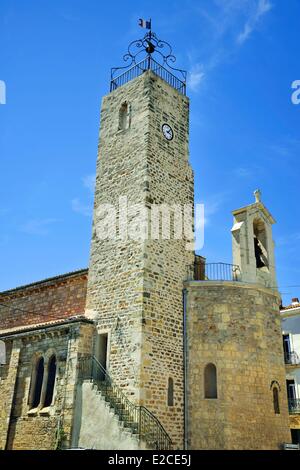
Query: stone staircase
x=100 y=426
x=127 y=426
x=115 y=403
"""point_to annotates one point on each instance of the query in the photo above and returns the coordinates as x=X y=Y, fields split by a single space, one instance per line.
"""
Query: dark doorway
x=101 y=353
x=295 y=436
x=287 y=348
x=291 y=390
x=286 y=344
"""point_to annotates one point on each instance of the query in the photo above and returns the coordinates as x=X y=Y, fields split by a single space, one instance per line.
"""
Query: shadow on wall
x=77 y=417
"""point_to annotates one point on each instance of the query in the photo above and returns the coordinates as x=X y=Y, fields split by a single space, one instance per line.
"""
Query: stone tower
x=236 y=376
x=136 y=272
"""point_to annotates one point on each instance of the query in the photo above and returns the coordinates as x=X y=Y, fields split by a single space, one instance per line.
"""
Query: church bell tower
x=142 y=240
x=253 y=245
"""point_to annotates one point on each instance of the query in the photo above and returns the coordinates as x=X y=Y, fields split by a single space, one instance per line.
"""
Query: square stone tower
x=137 y=271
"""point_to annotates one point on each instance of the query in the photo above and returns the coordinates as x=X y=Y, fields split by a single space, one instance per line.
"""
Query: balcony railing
x=148 y=64
x=292 y=358
x=213 y=272
x=294 y=406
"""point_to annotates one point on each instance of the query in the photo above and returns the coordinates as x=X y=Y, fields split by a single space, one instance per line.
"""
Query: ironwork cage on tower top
x=149 y=53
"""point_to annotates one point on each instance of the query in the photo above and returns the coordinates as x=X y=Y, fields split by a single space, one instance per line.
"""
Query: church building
x=151 y=347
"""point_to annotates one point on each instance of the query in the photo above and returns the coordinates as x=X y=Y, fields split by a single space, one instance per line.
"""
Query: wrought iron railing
x=148 y=64
x=213 y=272
x=294 y=406
x=292 y=358
x=137 y=418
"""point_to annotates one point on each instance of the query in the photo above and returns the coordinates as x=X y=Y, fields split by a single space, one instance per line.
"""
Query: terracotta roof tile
x=37 y=326
x=49 y=280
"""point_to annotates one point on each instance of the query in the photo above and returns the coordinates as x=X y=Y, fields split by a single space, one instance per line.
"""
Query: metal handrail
x=292 y=358
x=213 y=272
x=294 y=405
x=148 y=64
x=138 y=418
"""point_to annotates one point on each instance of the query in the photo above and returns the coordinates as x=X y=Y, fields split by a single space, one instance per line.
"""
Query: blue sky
x=242 y=57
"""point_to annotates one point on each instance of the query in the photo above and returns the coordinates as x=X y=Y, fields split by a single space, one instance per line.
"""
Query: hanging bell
x=150 y=48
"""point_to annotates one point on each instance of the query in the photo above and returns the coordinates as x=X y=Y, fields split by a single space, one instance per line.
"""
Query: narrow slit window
x=276 y=401
x=170 y=392
x=124 y=116
x=37 y=382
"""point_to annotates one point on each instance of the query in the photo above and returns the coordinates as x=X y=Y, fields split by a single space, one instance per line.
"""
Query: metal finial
x=149 y=53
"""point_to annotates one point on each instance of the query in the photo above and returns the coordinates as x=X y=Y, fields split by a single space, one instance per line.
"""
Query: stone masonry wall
x=8 y=375
x=36 y=430
x=115 y=282
x=53 y=299
x=236 y=327
x=294 y=421
x=170 y=182
x=135 y=286
x=22 y=428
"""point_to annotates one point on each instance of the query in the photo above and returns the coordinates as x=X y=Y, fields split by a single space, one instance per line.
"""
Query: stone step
x=123 y=432
x=118 y=410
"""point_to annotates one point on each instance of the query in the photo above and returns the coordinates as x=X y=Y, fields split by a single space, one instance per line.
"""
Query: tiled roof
x=38 y=326
x=49 y=280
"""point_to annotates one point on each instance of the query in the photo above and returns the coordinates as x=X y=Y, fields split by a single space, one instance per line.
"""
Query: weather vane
x=149 y=53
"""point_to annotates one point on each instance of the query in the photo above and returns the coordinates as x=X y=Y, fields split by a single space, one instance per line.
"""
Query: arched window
x=124 y=116
x=210 y=381
x=276 y=401
x=50 y=381
x=260 y=244
x=37 y=382
x=170 y=392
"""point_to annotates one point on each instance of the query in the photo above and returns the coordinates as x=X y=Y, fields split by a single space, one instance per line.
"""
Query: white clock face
x=167 y=131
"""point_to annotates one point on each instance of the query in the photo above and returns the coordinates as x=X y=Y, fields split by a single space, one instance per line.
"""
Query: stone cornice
x=45 y=329
x=237 y=285
x=256 y=205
